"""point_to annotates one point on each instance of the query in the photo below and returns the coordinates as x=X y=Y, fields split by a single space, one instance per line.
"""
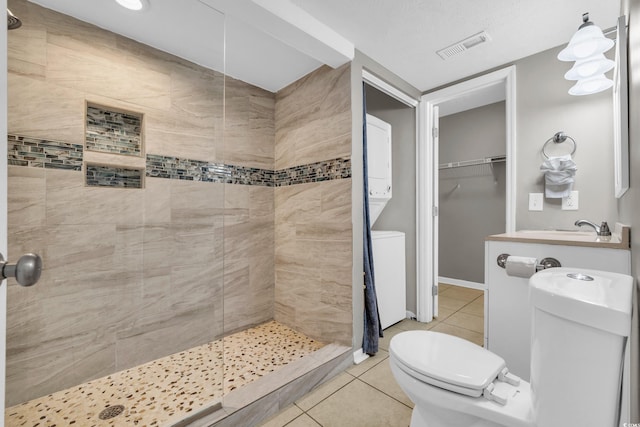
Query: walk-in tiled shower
x=182 y=216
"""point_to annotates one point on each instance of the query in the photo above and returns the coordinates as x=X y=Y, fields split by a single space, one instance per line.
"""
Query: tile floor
x=367 y=394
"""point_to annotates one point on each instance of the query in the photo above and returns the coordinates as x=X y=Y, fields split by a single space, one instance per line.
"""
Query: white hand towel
x=559 y=173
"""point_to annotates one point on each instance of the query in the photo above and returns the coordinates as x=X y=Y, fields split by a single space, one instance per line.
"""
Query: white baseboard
x=463 y=283
x=359 y=356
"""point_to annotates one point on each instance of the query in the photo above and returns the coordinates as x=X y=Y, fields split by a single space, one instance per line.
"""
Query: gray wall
x=471 y=199
x=543 y=108
x=400 y=212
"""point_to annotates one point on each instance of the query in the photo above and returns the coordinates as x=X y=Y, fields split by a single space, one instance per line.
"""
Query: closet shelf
x=475 y=162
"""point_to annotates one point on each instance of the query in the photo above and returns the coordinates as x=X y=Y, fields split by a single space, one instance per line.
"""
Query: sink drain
x=111 y=412
x=580 y=276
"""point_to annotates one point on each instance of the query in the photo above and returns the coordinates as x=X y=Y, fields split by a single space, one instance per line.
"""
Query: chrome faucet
x=603 y=230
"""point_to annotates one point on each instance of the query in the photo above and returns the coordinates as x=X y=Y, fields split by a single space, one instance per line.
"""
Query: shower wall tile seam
x=37 y=152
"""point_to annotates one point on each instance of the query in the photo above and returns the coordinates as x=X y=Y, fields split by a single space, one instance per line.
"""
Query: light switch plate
x=570 y=203
x=536 y=201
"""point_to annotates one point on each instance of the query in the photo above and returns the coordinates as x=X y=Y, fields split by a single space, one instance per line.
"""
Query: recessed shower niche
x=113 y=131
x=113 y=176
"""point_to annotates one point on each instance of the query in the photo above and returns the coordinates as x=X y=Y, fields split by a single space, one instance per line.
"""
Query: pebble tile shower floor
x=166 y=390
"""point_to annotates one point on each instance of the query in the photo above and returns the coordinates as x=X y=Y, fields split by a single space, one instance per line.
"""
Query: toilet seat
x=451 y=363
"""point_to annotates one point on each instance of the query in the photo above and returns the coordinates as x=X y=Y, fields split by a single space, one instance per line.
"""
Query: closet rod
x=486 y=160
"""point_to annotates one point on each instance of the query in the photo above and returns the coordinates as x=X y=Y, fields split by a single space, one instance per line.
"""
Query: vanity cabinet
x=507 y=312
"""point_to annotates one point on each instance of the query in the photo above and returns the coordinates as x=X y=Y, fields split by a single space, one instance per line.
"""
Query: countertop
x=620 y=237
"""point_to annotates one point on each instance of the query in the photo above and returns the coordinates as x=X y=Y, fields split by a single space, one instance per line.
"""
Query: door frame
x=3 y=211
x=408 y=100
x=427 y=177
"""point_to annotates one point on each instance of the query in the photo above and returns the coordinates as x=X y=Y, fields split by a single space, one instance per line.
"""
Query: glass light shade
x=587 y=41
x=589 y=67
x=591 y=85
x=133 y=4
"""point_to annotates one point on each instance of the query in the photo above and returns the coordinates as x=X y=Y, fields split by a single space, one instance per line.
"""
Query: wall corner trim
x=359 y=356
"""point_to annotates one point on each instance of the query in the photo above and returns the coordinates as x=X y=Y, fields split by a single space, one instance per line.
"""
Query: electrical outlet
x=570 y=203
x=536 y=201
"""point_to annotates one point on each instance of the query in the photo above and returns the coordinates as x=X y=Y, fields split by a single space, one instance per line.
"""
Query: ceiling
x=271 y=43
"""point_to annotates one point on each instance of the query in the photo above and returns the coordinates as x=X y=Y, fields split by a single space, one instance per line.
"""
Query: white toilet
x=580 y=324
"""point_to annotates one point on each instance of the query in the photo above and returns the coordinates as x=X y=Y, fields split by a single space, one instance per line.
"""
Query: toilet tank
x=580 y=323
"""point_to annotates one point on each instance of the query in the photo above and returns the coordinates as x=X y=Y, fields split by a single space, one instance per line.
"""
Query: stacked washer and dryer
x=388 y=246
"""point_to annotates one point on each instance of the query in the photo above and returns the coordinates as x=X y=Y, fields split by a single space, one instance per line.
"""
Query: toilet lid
x=446 y=361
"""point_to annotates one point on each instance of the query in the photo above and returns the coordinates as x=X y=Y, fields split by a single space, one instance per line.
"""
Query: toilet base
x=435 y=419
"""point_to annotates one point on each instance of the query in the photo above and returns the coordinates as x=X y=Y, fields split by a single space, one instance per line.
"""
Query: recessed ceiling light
x=134 y=4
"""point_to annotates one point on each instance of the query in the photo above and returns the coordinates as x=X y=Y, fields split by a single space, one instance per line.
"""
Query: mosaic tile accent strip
x=113 y=176
x=187 y=169
x=38 y=153
x=339 y=168
x=34 y=152
x=197 y=170
x=113 y=132
x=168 y=389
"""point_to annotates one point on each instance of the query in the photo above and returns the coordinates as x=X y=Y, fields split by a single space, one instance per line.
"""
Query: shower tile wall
x=313 y=221
x=129 y=275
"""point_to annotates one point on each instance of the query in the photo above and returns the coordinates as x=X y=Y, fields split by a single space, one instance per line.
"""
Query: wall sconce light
x=587 y=48
x=591 y=85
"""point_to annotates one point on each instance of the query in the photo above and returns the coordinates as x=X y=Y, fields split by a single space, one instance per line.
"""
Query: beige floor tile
x=443 y=286
x=472 y=336
x=382 y=378
x=458 y=292
x=303 y=420
x=283 y=417
x=476 y=307
x=451 y=303
x=325 y=390
x=358 y=404
x=466 y=321
x=444 y=312
x=414 y=325
x=357 y=370
x=388 y=334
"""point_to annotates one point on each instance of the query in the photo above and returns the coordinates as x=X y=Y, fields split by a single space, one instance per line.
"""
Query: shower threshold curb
x=265 y=397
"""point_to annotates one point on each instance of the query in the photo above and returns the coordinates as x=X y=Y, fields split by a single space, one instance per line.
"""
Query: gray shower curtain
x=372 y=327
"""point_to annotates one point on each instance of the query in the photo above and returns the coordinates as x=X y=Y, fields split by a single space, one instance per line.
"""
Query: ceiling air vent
x=461 y=46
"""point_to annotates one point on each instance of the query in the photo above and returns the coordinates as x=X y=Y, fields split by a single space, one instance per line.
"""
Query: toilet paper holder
x=544 y=262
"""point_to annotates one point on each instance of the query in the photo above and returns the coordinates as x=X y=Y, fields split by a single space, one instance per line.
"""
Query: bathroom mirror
x=620 y=112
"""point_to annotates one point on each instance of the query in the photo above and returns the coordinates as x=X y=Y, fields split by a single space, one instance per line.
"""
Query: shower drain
x=111 y=412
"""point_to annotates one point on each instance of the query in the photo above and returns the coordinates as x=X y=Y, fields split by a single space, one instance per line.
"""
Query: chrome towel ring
x=559 y=138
